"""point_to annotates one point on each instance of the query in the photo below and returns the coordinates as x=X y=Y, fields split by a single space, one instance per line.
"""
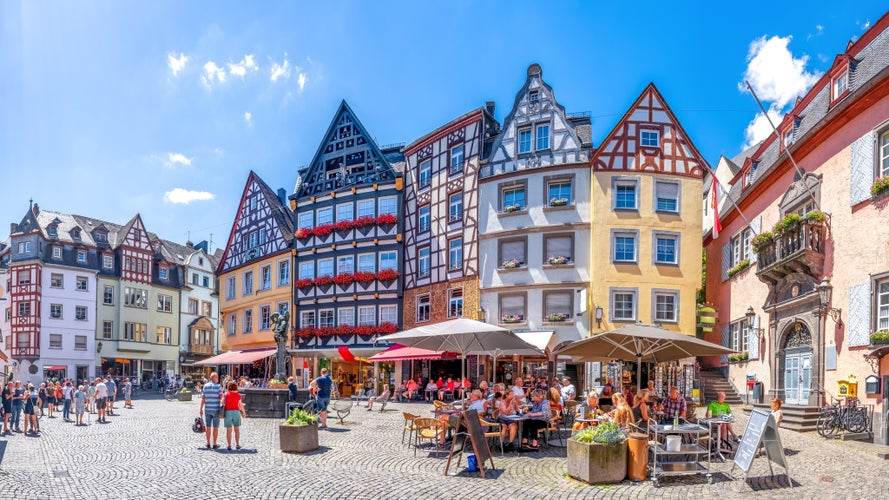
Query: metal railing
x=807 y=235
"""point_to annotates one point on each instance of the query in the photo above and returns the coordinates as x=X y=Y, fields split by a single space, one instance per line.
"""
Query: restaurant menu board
x=469 y=426
x=761 y=428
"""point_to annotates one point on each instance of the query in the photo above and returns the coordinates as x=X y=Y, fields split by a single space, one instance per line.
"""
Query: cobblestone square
x=151 y=452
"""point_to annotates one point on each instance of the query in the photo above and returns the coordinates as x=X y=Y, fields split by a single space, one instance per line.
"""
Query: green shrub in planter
x=762 y=239
x=880 y=337
x=598 y=454
x=880 y=186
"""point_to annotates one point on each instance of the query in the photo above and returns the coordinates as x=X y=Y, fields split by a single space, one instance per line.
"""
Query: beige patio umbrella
x=461 y=335
x=640 y=343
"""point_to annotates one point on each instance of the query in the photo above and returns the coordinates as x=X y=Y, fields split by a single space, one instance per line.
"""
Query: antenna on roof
x=210 y=246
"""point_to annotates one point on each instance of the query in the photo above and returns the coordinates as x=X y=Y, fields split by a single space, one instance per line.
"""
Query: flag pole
x=799 y=171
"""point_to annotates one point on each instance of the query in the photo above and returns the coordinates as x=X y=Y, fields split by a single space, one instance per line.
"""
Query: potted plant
x=184 y=395
x=511 y=318
x=558 y=202
x=598 y=454
x=739 y=358
x=512 y=208
x=744 y=264
x=557 y=317
x=880 y=338
x=787 y=223
x=816 y=216
x=511 y=264
x=762 y=239
x=299 y=433
x=558 y=261
x=880 y=186
x=277 y=383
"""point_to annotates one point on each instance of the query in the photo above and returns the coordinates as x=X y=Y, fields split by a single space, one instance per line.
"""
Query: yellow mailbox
x=848 y=387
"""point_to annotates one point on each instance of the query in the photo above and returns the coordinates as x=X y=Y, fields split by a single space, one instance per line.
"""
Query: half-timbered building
x=255 y=277
x=348 y=213
x=534 y=215
x=441 y=219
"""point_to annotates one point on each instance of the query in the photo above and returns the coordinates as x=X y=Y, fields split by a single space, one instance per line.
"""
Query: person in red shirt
x=234 y=411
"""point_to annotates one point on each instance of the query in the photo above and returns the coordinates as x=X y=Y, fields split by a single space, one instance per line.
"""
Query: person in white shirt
x=518 y=390
x=101 y=399
x=568 y=391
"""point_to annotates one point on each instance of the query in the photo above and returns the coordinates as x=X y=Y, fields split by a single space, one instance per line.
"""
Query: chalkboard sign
x=469 y=425
x=761 y=429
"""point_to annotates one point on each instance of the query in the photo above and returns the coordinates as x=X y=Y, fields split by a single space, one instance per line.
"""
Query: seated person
x=673 y=406
x=641 y=414
x=718 y=408
x=629 y=395
x=508 y=405
x=554 y=397
x=622 y=413
x=538 y=417
x=431 y=389
x=590 y=410
x=382 y=397
x=411 y=389
x=486 y=391
x=446 y=388
x=476 y=402
x=519 y=390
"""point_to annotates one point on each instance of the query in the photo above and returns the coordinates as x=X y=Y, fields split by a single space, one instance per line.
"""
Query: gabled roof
x=349 y=154
x=482 y=111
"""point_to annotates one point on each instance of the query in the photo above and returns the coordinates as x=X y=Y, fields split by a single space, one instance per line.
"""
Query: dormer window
x=839 y=85
x=650 y=138
x=534 y=96
x=75 y=233
x=787 y=138
x=100 y=237
x=52 y=231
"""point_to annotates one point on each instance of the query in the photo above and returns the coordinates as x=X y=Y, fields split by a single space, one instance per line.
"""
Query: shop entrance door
x=797 y=377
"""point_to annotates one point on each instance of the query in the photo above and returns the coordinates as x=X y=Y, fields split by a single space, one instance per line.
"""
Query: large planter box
x=298 y=438
x=597 y=463
x=185 y=396
x=265 y=403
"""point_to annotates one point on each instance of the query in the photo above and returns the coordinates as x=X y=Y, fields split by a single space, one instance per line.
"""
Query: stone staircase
x=796 y=418
x=714 y=382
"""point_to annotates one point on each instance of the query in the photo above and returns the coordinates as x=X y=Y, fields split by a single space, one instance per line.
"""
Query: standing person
x=91 y=397
x=40 y=400
x=112 y=394
x=7 y=407
x=234 y=411
x=30 y=410
x=49 y=396
x=568 y=391
x=18 y=403
x=322 y=398
x=211 y=402
x=777 y=411
x=79 y=404
x=101 y=398
x=127 y=394
x=67 y=390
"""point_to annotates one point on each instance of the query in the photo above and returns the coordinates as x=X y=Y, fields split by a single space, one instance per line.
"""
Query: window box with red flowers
x=343 y=226
x=363 y=277
x=344 y=279
x=323 y=230
x=304 y=233
x=365 y=221
x=385 y=328
x=322 y=280
x=303 y=283
x=306 y=332
x=511 y=318
x=388 y=275
x=386 y=219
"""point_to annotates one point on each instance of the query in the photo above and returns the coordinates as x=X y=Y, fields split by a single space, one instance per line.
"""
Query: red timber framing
x=649 y=138
x=25 y=293
x=451 y=199
x=137 y=254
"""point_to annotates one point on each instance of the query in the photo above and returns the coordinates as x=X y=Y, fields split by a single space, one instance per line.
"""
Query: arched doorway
x=796 y=364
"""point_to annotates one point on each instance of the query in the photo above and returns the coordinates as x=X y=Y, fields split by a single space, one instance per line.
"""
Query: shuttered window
x=512 y=308
x=557 y=246
x=512 y=253
x=557 y=306
x=666 y=196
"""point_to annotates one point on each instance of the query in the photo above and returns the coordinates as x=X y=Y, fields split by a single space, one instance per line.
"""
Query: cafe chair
x=429 y=429
x=569 y=412
x=553 y=425
x=493 y=432
x=441 y=405
x=409 y=427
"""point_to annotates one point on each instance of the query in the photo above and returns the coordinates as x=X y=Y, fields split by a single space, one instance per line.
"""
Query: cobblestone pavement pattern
x=151 y=452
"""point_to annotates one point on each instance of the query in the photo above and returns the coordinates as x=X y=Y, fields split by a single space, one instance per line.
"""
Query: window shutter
x=859 y=314
x=755 y=228
x=513 y=304
x=558 y=246
x=861 y=171
x=726 y=259
x=668 y=190
x=726 y=340
x=753 y=340
x=558 y=303
x=513 y=250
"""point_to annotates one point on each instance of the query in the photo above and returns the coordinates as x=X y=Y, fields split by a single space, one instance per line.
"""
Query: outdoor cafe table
x=718 y=423
x=520 y=419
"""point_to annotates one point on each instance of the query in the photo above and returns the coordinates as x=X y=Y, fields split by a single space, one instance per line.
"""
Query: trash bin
x=637 y=456
x=757 y=392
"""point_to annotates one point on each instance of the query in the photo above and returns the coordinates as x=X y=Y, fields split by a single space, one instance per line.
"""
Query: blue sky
x=110 y=108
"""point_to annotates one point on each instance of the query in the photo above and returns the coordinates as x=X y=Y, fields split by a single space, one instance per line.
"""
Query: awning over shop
x=239 y=357
x=400 y=352
x=359 y=353
x=55 y=367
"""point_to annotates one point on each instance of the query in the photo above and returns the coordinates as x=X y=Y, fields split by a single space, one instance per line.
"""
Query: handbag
x=222 y=408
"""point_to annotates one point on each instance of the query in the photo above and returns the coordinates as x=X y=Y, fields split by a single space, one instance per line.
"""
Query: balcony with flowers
x=795 y=244
x=385 y=279
x=363 y=227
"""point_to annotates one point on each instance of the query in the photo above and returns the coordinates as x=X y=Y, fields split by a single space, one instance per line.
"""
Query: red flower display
x=385 y=328
x=343 y=225
x=322 y=230
x=386 y=219
x=388 y=274
x=322 y=280
x=364 y=221
x=363 y=277
x=305 y=332
x=303 y=283
x=328 y=331
x=343 y=279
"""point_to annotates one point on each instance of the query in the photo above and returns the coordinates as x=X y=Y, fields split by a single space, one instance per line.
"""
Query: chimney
x=189 y=244
x=282 y=196
x=13 y=227
x=203 y=245
x=489 y=106
x=36 y=209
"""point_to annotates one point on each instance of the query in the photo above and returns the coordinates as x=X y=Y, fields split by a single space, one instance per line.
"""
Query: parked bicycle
x=842 y=416
x=171 y=394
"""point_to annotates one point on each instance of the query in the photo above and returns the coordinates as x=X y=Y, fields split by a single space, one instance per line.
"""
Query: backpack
x=198 y=425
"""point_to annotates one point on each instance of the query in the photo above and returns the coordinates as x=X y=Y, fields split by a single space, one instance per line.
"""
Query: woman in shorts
x=30 y=411
x=49 y=396
x=234 y=411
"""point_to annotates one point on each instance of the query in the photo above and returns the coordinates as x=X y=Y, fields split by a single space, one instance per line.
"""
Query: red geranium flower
x=363 y=277
x=322 y=280
x=343 y=225
x=322 y=230
x=304 y=233
x=386 y=219
x=303 y=283
x=343 y=279
x=364 y=221
x=388 y=274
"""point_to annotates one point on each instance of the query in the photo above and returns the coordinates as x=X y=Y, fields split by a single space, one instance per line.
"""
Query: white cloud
x=212 y=74
x=181 y=159
x=775 y=75
x=863 y=25
x=248 y=117
x=820 y=28
x=242 y=68
x=280 y=70
x=301 y=81
x=176 y=64
x=759 y=128
x=182 y=196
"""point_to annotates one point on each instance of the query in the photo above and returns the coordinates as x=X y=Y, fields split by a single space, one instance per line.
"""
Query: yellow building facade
x=647 y=183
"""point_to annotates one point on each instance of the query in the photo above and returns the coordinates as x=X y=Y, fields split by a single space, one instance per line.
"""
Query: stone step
x=796 y=418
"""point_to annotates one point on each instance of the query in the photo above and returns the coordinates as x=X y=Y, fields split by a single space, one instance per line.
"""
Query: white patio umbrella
x=461 y=335
x=640 y=343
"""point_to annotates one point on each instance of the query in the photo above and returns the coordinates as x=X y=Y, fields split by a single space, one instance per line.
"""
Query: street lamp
x=599 y=316
x=751 y=322
x=825 y=291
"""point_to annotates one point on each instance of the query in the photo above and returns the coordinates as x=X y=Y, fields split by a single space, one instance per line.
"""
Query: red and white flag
x=714 y=206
